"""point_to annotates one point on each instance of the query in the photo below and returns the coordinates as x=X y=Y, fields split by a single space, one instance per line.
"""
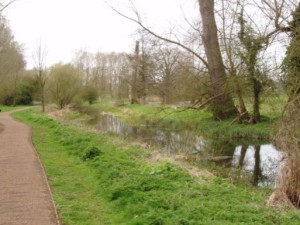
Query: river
x=252 y=161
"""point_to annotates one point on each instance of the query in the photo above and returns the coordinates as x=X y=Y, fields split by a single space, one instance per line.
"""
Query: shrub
x=91 y=152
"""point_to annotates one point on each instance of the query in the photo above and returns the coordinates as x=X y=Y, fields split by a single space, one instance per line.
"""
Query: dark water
x=249 y=161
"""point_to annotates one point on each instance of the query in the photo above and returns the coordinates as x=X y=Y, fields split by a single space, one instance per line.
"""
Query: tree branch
x=6 y=5
x=139 y=22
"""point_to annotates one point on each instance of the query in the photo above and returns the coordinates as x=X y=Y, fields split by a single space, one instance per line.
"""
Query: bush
x=90 y=94
x=91 y=152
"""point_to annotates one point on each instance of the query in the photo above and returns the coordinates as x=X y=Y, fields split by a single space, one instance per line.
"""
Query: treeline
x=15 y=85
x=155 y=71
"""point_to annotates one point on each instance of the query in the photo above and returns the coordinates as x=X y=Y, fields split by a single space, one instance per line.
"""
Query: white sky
x=66 y=26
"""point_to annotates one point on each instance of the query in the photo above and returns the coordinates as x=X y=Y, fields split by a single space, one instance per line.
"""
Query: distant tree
x=27 y=89
x=41 y=72
x=64 y=85
x=90 y=94
x=221 y=102
x=12 y=64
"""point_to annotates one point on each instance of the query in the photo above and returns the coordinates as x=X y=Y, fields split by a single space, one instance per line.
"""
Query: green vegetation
x=98 y=179
x=5 y=108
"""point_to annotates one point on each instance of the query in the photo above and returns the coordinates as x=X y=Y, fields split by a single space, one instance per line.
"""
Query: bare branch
x=139 y=22
x=6 y=5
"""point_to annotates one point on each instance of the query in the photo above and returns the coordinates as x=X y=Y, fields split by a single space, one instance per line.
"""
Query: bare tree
x=222 y=103
x=40 y=69
x=167 y=66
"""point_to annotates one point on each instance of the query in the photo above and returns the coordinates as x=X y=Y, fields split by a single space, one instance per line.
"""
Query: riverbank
x=100 y=179
x=198 y=120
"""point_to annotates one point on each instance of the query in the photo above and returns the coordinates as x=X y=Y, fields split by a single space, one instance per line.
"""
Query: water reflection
x=256 y=162
x=261 y=162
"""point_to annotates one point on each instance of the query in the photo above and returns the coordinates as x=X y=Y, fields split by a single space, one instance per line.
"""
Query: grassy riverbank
x=98 y=179
x=200 y=120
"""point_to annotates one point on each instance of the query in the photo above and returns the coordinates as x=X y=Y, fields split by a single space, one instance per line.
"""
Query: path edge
x=40 y=162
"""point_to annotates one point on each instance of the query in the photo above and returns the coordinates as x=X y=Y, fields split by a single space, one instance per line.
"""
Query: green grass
x=97 y=179
x=5 y=108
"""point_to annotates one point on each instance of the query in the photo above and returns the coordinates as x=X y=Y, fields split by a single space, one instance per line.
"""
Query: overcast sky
x=66 y=26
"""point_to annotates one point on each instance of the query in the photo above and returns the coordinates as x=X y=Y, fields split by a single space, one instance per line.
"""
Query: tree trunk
x=143 y=76
x=242 y=107
x=256 y=103
x=223 y=106
x=134 y=83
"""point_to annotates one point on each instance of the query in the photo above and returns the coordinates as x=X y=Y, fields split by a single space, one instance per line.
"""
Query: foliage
x=90 y=94
x=26 y=90
x=288 y=135
x=291 y=64
x=11 y=63
x=64 y=84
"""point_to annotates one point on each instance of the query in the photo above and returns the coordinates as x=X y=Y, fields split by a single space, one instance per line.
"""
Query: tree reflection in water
x=247 y=160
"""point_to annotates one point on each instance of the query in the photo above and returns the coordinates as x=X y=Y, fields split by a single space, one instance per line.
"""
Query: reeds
x=288 y=139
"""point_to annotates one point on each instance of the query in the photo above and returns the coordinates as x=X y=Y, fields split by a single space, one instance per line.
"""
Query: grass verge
x=96 y=181
x=5 y=108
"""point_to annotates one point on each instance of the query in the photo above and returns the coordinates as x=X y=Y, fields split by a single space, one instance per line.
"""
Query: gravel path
x=25 y=196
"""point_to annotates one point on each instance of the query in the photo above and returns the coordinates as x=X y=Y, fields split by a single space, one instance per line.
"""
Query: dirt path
x=25 y=197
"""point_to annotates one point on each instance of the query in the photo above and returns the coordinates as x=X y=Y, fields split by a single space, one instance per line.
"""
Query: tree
x=17 y=67
x=229 y=42
x=252 y=46
x=222 y=103
x=40 y=69
x=288 y=135
x=11 y=64
x=167 y=63
x=133 y=96
x=223 y=106
x=84 y=62
x=4 y=5
x=291 y=63
x=90 y=94
x=27 y=89
x=65 y=83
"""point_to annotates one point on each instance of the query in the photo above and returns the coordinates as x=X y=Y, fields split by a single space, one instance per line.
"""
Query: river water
x=250 y=161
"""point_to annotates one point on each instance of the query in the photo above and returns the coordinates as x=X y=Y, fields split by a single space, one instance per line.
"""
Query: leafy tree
x=27 y=89
x=12 y=63
x=64 y=84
